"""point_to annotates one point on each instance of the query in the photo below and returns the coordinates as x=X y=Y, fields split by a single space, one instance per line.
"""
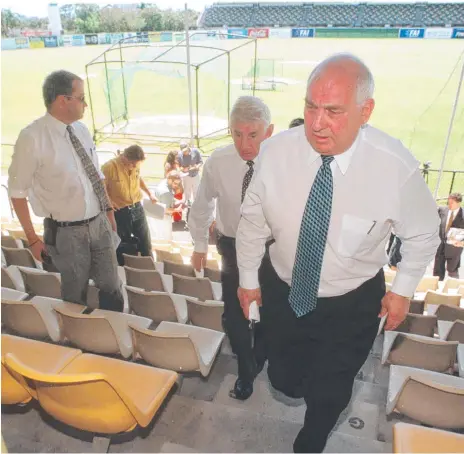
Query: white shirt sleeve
x=252 y=234
x=417 y=228
x=23 y=166
x=202 y=212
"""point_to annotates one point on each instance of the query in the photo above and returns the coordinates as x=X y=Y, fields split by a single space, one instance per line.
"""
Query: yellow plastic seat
x=437 y=298
x=46 y=358
x=98 y=394
x=409 y=438
x=452 y=283
x=427 y=283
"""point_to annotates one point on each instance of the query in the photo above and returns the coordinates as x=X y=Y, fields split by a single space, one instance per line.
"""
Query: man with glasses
x=55 y=167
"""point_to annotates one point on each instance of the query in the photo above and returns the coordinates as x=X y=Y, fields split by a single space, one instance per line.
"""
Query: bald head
x=350 y=68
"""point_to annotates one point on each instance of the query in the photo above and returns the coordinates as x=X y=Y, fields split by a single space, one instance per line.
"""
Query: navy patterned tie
x=311 y=242
x=247 y=178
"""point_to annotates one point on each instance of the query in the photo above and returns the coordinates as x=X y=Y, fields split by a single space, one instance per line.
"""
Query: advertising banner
x=167 y=36
x=130 y=37
x=142 y=37
x=281 y=33
x=302 y=32
x=458 y=33
x=238 y=32
x=78 y=40
x=8 y=44
x=411 y=33
x=116 y=37
x=67 y=40
x=50 y=41
x=104 y=38
x=438 y=33
x=22 y=43
x=91 y=39
x=36 y=42
x=258 y=32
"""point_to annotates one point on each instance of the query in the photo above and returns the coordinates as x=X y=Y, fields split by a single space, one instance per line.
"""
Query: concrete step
x=340 y=442
x=174 y=447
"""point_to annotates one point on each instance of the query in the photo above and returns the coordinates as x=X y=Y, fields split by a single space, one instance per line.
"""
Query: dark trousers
x=131 y=221
x=443 y=263
x=235 y=324
x=317 y=356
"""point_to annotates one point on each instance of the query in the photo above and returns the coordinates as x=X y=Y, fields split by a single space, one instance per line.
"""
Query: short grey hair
x=249 y=109
x=58 y=83
x=365 y=81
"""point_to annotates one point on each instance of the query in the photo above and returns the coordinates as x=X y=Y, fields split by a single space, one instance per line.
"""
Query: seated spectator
x=166 y=190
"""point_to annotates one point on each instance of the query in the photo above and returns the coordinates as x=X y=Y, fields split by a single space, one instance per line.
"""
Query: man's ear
x=367 y=109
x=269 y=131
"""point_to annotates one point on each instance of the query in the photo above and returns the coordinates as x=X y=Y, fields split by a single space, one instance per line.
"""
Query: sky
x=39 y=7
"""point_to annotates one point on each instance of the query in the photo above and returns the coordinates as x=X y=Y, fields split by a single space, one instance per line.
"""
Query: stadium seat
x=17 y=277
x=11 y=242
x=449 y=313
x=213 y=274
x=162 y=256
x=193 y=286
x=437 y=298
x=13 y=295
x=411 y=438
x=451 y=283
x=212 y=264
x=423 y=325
x=206 y=314
x=416 y=307
x=97 y=394
x=157 y=306
x=144 y=279
x=19 y=257
x=139 y=262
x=36 y=318
x=451 y=331
x=461 y=360
x=429 y=397
x=178 y=347
x=178 y=268
x=427 y=283
x=46 y=358
x=41 y=283
x=419 y=351
x=102 y=331
x=7 y=279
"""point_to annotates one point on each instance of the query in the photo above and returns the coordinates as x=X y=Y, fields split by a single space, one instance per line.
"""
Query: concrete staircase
x=200 y=417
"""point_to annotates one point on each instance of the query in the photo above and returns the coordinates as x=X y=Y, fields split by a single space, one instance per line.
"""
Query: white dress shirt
x=376 y=186
x=46 y=169
x=454 y=213
x=221 y=183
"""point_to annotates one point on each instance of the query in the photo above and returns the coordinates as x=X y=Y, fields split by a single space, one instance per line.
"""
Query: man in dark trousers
x=226 y=176
x=448 y=256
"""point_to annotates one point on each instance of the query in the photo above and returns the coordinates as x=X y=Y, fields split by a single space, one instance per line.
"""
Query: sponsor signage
x=22 y=43
x=258 y=32
x=458 y=33
x=438 y=33
x=78 y=40
x=302 y=32
x=412 y=33
x=36 y=42
x=91 y=39
x=50 y=41
x=238 y=33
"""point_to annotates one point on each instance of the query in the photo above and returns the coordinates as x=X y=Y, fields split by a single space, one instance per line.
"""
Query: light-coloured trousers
x=191 y=185
x=87 y=252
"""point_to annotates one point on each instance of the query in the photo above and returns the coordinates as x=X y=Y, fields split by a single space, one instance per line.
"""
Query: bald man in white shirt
x=330 y=192
x=55 y=166
x=226 y=176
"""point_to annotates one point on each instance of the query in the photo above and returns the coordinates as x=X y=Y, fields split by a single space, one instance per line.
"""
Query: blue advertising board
x=302 y=32
x=50 y=41
x=412 y=33
x=166 y=36
x=458 y=33
x=239 y=32
x=78 y=40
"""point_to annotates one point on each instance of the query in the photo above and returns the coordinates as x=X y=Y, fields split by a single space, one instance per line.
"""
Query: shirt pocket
x=358 y=235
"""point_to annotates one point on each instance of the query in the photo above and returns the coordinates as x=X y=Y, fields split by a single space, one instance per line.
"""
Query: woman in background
x=172 y=163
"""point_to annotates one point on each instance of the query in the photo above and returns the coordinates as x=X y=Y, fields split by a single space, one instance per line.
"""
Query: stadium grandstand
x=332 y=14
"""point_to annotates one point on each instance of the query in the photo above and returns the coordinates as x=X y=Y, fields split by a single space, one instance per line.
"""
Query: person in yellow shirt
x=125 y=185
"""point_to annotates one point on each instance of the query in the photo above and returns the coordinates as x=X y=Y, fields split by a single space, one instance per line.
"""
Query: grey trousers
x=86 y=252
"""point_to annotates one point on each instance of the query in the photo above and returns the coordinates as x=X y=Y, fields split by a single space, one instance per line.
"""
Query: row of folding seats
x=88 y=392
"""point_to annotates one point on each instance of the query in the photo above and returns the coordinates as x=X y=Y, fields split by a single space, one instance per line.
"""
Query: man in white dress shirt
x=55 y=166
x=329 y=193
x=225 y=178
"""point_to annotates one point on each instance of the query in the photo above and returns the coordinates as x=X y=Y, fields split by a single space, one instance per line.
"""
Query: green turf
x=415 y=89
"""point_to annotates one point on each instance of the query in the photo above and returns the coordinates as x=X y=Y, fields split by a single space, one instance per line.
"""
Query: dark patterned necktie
x=90 y=170
x=311 y=242
x=247 y=178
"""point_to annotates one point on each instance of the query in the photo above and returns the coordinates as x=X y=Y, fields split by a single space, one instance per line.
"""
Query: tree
x=87 y=18
x=10 y=21
x=68 y=17
x=153 y=19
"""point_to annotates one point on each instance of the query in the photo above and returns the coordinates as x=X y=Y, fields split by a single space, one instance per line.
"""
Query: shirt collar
x=56 y=124
x=343 y=160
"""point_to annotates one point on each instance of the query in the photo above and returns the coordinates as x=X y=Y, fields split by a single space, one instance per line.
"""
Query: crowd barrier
x=92 y=39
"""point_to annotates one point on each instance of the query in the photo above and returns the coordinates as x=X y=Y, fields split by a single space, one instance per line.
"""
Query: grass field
x=416 y=82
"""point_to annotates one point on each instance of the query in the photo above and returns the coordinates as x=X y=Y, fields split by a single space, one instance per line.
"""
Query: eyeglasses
x=81 y=99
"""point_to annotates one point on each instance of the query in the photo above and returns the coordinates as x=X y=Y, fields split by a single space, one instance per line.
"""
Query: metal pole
x=450 y=129
x=90 y=102
x=255 y=65
x=228 y=86
x=109 y=92
x=189 y=76
x=126 y=113
x=197 y=107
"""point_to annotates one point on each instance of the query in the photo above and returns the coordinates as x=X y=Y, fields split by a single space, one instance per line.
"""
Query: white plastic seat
x=41 y=283
x=451 y=331
x=157 y=306
x=436 y=298
x=7 y=279
x=145 y=279
x=460 y=356
x=13 y=295
x=429 y=397
x=178 y=347
x=452 y=283
x=19 y=257
x=206 y=314
x=418 y=351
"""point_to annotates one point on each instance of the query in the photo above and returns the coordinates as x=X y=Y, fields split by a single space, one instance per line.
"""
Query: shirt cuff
x=405 y=285
x=18 y=193
x=249 y=279
x=201 y=247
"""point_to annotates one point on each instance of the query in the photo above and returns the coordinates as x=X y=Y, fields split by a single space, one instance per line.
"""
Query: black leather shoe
x=242 y=390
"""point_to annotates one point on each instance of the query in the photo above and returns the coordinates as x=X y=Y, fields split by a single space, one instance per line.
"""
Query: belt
x=131 y=207
x=74 y=223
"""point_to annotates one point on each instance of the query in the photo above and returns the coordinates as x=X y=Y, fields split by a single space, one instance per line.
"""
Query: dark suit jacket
x=450 y=250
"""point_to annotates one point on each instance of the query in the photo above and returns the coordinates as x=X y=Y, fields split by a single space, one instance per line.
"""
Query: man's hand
x=397 y=308
x=37 y=248
x=212 y=227
x=153 y=199
x=198 y=260
x=110 y=216
x=246 y=297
